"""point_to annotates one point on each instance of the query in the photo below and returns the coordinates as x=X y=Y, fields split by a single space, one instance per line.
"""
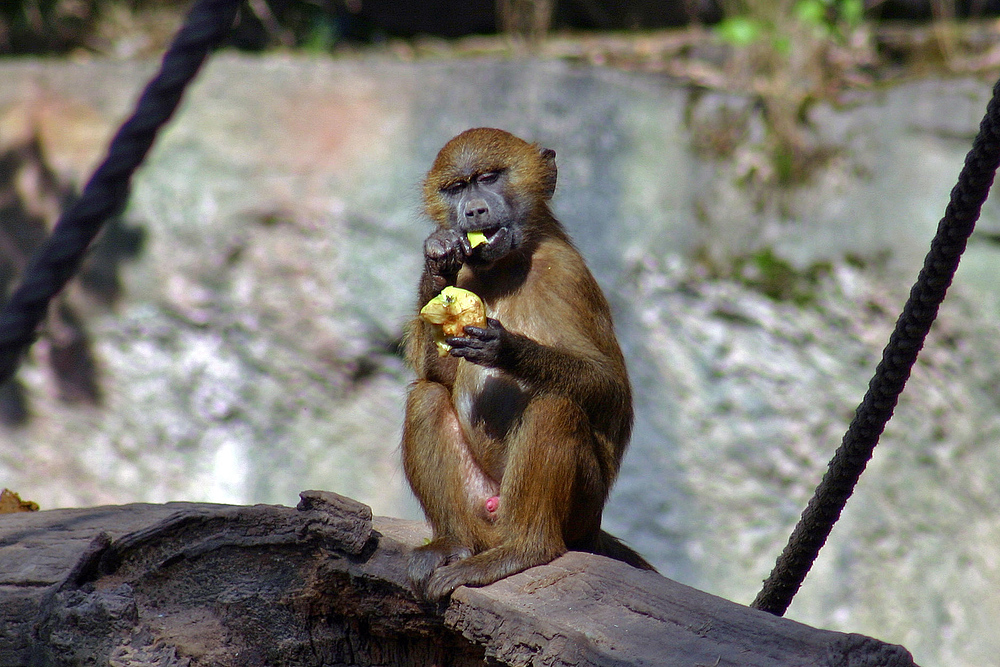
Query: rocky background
x=235 y=337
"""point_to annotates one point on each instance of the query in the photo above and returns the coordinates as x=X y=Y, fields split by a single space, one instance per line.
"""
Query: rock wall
x=253 y=352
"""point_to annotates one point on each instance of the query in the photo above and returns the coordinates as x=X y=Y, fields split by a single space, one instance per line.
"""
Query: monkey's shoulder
x=559 y=304
x=560 y=276
x=555 y=259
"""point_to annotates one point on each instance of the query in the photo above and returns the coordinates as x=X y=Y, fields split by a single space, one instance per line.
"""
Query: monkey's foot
x=482 y=569
x=426 y=560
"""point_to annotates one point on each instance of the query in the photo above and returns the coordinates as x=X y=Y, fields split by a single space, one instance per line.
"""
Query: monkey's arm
x=589 y=380
x=423 y=357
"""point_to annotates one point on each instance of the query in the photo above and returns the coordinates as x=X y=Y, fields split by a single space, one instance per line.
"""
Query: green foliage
x=787 y=55
x=766 y=21
x=778 y=279
x=830 y=18
x=321 y=36
x=739 y=30
x=773 y=276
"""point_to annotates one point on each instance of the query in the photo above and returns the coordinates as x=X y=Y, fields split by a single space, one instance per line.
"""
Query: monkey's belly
x=487 y=412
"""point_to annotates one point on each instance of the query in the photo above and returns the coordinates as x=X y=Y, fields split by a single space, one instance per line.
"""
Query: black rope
x=106 y=193
x=890 y=377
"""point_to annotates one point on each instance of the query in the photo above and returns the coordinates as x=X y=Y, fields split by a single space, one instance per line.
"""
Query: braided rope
x=106 y=194
x=890 y=377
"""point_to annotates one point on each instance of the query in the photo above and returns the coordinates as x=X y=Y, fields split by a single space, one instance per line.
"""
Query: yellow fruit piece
x=452 y=310
x=476 y=238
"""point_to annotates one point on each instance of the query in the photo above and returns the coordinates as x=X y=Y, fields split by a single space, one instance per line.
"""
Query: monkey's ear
x=549 y=165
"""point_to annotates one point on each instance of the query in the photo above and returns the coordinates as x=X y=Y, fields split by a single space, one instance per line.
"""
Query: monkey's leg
x=550 y=456
x=447 y=481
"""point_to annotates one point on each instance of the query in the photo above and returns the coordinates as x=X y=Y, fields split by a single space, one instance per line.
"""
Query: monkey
x=512 y=441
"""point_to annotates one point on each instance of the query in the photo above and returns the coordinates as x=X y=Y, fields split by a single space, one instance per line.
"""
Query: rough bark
x=190 y=584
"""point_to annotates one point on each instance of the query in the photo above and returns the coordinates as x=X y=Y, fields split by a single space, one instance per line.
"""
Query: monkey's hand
x=486 y=346
x=444 y=253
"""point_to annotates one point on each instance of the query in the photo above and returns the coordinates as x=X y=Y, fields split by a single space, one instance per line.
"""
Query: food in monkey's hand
x=453 y=310
x=476 y=238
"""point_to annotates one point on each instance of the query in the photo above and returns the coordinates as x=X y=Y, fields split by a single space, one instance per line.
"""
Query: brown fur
x=545 y=421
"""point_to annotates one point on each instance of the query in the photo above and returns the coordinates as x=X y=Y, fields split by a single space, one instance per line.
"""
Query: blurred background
x=754 y=184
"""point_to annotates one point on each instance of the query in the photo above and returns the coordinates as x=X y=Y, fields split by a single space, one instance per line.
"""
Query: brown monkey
x=512 y=441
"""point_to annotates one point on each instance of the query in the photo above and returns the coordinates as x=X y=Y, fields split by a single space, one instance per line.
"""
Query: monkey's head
x=488 y=180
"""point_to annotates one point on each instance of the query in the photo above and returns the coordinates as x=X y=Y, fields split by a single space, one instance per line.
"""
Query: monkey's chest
x=489 y=404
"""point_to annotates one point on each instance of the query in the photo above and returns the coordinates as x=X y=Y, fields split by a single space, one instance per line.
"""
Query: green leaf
x=811 y=12
x=739 y=30
x=852 y=11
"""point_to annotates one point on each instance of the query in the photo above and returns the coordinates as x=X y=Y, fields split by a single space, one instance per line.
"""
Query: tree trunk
x=193 y=584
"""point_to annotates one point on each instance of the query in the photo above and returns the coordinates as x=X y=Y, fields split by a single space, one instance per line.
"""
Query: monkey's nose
x=476 y=209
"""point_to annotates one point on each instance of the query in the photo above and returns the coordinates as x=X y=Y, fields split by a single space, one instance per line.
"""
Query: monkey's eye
x=453 y=188
x=488 y=177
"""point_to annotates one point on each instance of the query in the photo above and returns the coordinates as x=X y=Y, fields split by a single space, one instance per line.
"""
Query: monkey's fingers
x=483 y=569
x=481 y=351
x=439 y=249
x=492 y=331
x=465 y=348
x=426 y=560
x=466 y=246
x=461 y=345
x=476 y=333
x=445 y=251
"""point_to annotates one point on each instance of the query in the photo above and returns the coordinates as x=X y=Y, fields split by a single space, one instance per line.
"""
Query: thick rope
x=898 y=358
x=106 y=193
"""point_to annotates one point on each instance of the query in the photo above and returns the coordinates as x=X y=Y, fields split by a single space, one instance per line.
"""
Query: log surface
x=191 y=584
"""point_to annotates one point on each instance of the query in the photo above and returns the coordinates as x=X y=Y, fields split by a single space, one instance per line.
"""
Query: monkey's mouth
x=489 y=244
x=491 y=233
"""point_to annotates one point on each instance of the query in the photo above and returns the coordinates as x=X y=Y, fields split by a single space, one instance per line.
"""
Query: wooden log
x=192 y=584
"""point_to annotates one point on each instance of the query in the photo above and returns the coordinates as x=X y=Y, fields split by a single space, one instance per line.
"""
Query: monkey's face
x=487 y=180
x=483 y=202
